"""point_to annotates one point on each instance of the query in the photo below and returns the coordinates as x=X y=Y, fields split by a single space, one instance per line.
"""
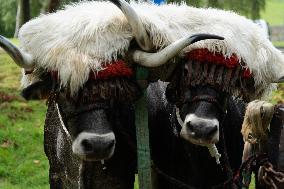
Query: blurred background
x=22 y=160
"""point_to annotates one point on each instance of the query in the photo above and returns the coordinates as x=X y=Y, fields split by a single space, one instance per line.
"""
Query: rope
x=171 y=179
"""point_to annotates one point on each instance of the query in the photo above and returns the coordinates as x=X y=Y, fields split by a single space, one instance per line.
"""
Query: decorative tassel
x=220 y=76
x=197 y=74
x=190 y=73
x=235 y=77
x=214 y=152
x=204 y=55
x=115 y=69
x=227 y=79
x=119 y=89
x=223 y=73
x=205 y=71
x=210 y=78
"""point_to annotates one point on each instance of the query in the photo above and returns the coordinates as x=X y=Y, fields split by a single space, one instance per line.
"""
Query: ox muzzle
x=92 y=143
x=94 y=147
x=200 y=130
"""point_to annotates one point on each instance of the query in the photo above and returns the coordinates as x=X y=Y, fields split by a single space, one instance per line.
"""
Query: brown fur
x=256 y=122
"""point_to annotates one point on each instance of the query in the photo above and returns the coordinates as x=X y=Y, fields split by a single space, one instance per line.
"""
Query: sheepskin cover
x=86 y=36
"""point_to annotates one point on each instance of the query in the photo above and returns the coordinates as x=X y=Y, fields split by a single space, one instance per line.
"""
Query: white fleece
x=87 y=35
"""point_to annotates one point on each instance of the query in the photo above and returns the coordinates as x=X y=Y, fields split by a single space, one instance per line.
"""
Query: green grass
x=278 y=43
x=274 y=12
x=22 y=160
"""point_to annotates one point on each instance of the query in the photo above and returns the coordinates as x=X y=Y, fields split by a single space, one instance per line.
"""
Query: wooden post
x=142 y=134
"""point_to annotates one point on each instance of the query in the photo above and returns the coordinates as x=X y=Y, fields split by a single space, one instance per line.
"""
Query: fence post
x=142 y=134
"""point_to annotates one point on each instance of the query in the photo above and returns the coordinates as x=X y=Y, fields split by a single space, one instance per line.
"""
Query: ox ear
x=38 y=90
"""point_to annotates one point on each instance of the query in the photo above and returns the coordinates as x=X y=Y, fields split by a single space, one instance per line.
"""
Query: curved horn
x=21 y=58
x=163 y=56
x=280 y=80
x=137 y=27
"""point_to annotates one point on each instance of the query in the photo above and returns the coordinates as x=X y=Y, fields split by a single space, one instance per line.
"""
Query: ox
x=186 y=128
x=198 y=109
x=79 y=58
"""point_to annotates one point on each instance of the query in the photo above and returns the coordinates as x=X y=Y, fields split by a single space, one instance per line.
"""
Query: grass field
x=22 y=160
x=279 y=43
x=274 y=15
x=274 y=12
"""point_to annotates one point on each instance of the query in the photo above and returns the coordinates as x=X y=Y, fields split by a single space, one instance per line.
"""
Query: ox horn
x=21 y=58
x=163 y=56
x=137 y=27
x=280 y=80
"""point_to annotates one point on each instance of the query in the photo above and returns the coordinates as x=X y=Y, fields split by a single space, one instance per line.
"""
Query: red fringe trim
x=115 y=69
x=247 y=73
x=204 y=55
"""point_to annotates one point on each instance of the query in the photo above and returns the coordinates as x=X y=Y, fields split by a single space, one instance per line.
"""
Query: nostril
x=87 y=145
x=212 y=130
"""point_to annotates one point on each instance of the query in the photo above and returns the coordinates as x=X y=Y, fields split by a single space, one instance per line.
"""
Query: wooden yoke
x=142 y=133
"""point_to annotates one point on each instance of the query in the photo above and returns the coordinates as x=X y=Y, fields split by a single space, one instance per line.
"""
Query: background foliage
x=270 y=10
x=8 y=11
x=249 y=8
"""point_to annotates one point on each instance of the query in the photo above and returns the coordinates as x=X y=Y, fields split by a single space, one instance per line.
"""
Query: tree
x=49 y=6
x=256 y=7
x=8 y=10
x=250 y=8
x=23 y=14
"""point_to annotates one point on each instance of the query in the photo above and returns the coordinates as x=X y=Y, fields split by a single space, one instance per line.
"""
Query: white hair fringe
x=85 y=36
